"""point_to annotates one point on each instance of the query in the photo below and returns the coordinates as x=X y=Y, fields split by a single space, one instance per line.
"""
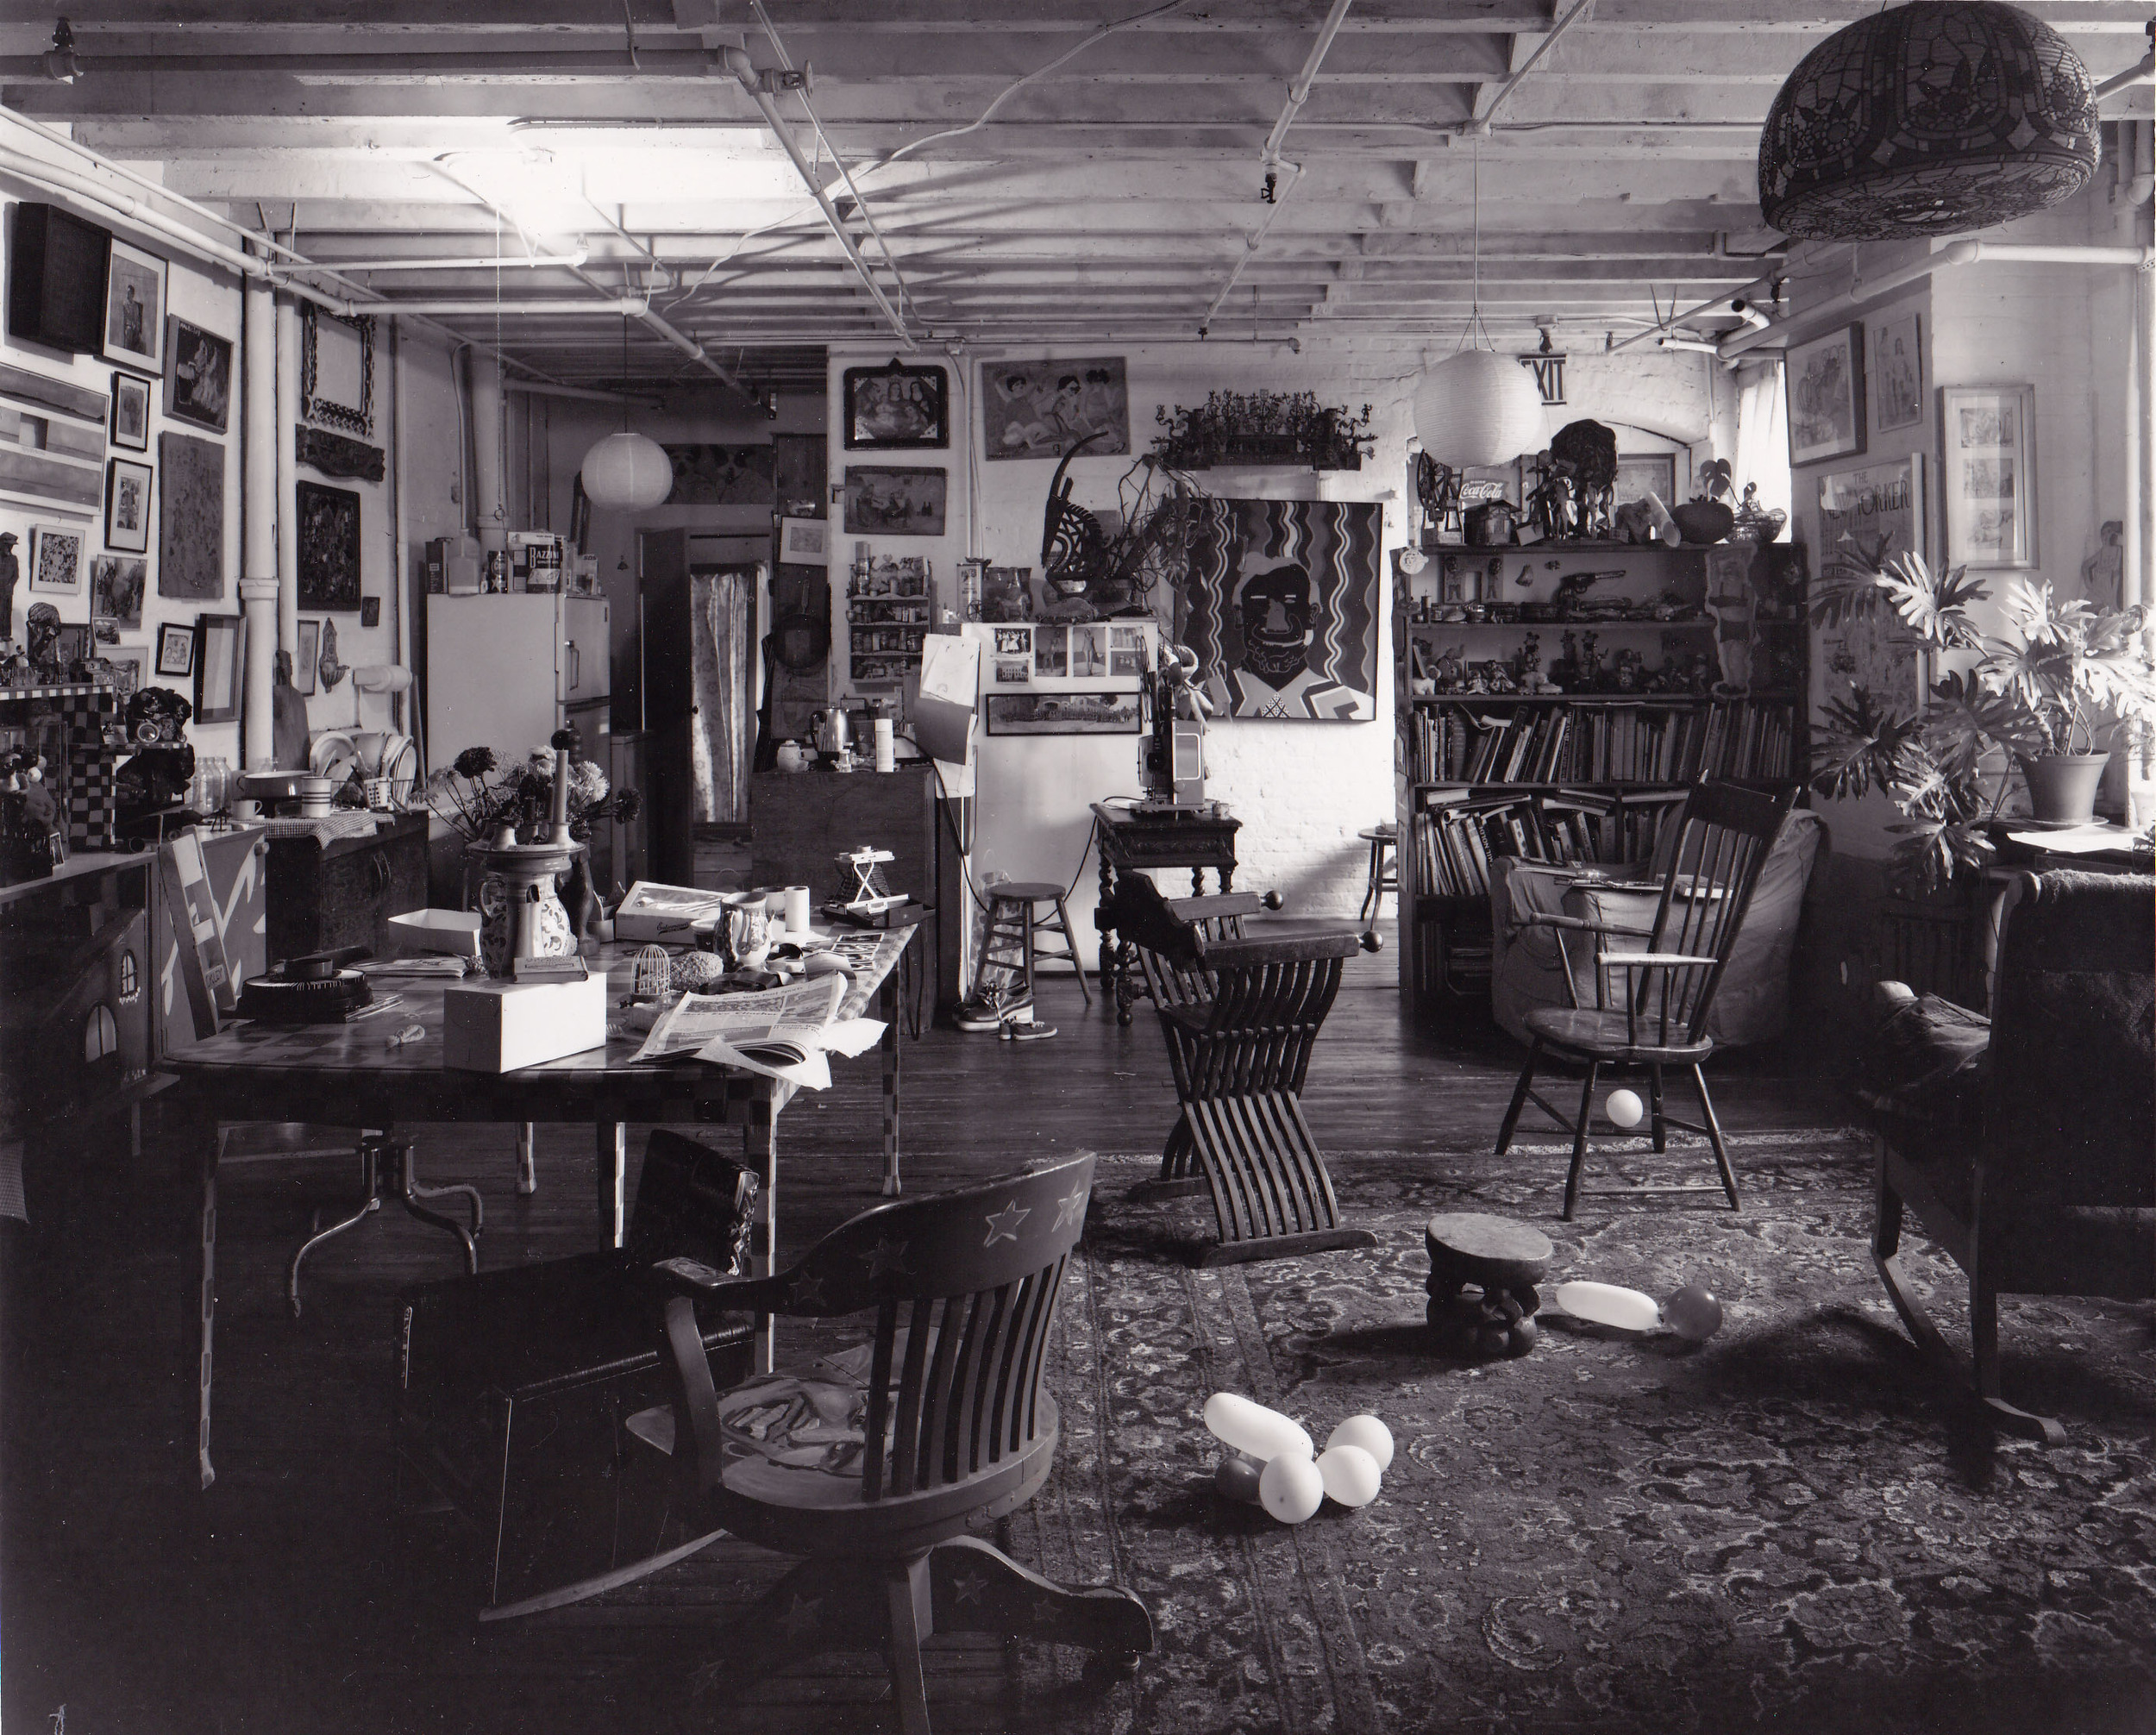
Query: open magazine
x=782 y=1033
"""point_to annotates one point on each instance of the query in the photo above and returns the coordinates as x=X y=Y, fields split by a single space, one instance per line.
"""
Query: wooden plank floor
x=299 y=1593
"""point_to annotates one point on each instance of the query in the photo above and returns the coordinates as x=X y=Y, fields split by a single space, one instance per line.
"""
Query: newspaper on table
x=782 y=1033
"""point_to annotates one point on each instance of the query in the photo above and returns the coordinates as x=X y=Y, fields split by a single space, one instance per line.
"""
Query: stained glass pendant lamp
x=1477 y=407
x=627 y=471
x=1932 y=118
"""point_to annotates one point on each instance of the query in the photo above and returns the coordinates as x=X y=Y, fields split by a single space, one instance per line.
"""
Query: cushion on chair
x=1752 y=1001
x=1607 y=1036
x=1922 y=1077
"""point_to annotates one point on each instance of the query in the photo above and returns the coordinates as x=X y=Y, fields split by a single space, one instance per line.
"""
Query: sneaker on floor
x=1026 y=1031
x=991 y=1006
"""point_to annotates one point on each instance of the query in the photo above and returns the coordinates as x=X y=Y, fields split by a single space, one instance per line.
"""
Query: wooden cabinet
x=325 y=897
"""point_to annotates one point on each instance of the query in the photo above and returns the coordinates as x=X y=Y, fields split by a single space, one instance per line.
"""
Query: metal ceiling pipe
x=329 y=69
x=258 y=581
x=634 y=306
x=2141 y=74
x=736 y=61
x=467 y=263
x=1481 y=124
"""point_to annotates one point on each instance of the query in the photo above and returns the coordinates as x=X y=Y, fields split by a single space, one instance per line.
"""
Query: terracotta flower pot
x=2062 y=786
x=1704 y=521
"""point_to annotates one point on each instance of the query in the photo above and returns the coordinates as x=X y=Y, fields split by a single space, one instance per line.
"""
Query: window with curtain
x=1763 y=439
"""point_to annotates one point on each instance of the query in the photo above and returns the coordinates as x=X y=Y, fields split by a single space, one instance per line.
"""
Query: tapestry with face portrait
x=1282 y=608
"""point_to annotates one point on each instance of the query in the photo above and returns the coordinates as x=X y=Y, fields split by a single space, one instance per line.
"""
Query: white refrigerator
x=506 y=671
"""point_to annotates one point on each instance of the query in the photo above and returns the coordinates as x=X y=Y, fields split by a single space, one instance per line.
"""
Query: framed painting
x=175 y=651
x=128 y=506
x=894 y=408
x=134 y=308
x=190 y=517
x=893 y=501
x=1987 y=449
x=56 y=560
x=1639 y=473
x=218 y=667
x=336 y=371
x=1825 y=382
x=1041 y=409
x=1063 y=713
x=1867 y=516
x=304 y=672
x=131 y=411
x=328 y=546
x=1897 y=373
x=74 y=642
x=127 y=662
x=197 y=376
x=804 y=542
x=116 y=583
x=1283 y=599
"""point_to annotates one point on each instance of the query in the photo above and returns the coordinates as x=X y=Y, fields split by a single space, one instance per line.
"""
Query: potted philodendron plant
x=1705 y=517
x=2047 y=696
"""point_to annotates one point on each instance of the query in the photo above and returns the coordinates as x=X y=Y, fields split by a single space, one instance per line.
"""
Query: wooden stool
x=1012 y=940
x=1384 y=842
x=1482 y=1275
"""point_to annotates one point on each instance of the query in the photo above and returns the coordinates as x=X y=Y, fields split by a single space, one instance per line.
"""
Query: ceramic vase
x=521 y=913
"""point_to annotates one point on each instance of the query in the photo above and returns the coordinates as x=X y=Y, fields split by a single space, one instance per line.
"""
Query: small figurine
x=41 y=630
x=1565 y=671
x=1451 y=669
x=1590 y=666
x=1627 y=672
x=2102 y=574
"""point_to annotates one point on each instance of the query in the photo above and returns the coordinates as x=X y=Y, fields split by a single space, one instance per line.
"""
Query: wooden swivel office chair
x=2028 y=1151
x=1652 y=991
x=872 y=1462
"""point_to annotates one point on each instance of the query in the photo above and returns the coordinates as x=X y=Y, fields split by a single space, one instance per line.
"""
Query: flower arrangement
x=2064 y=679
x=477 y=796
x=1262 y=428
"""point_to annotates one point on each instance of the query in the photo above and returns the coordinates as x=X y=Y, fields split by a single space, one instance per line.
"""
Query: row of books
x=1455 y=839
x=1602 y=741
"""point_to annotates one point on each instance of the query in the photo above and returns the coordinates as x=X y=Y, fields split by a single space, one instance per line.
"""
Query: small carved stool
x=1482 y=1275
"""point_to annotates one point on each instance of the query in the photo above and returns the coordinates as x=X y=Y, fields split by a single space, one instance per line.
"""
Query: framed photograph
x=197 y=376
x=73 y=643
x=305 y=675
x=1051 y=652
x=336 y=371
x=894 y=502
x=1041 y=409
x=131 y=411
x=1062 y=714
x=895 y=407
x=804 y=542
x=1986 y=450
x=175 y=651
x=1897 y=373
x=134 y=308
x=1824 y=381
x=1869 y=515
x=217 y=668
x=1639 y=473
x=116 y=584
x=127 y=662
x=128 y=506
x=56 y=560
x=328 y=545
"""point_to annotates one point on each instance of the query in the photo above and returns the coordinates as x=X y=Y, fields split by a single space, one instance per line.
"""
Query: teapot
x=793 y=756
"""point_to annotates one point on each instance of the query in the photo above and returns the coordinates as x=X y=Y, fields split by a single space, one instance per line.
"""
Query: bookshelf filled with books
x=1675 y=665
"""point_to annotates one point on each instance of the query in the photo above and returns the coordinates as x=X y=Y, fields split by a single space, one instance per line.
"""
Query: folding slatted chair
x=1653 y=991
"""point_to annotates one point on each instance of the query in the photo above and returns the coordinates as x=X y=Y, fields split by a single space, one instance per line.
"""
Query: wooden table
x=1131 y=840
x=348 y=1075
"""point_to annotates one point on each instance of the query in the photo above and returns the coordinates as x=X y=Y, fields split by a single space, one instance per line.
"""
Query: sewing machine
x=1171 y=753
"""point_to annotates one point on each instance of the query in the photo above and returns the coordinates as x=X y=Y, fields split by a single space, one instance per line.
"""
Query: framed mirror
x=336 y=371
x=218 y=667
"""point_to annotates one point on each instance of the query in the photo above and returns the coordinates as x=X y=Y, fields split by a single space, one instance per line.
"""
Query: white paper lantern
x=1477 y=408
x=627 y=471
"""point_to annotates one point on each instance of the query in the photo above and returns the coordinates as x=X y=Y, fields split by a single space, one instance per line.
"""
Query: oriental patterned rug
x=1789 y=1527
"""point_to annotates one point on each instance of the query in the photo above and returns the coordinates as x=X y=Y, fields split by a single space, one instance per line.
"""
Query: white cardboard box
x=665 y=914
x=454 y=932
x=497 y=1027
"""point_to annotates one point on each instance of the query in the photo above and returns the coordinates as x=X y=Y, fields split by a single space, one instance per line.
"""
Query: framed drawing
x=127 y=669
x=190 y=517
x=128 y=506
x=175 y=651
x=197 y=376
x=1639 y=473
x=804 y=542
x=116 y=583
x=1988 y=449
x=1283 y=608
x=56 y=560
x=1041 y=409
x=891 y=502
x=131 y=411
x=1063 y=713
x=304 y=676
x=1868 y=516
x=328 y=545
x=895 y=407
x=134 y=308
x=217 y=668
x=1897 y=373
x=1824 y=381
x=336 y=371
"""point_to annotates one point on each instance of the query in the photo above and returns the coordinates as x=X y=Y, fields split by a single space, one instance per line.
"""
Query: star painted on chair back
x=1003 y=1225
x=886 y=1255
x=970 y=1587
x=1071 y=1208
x=802 y=1618
x=808 y=1292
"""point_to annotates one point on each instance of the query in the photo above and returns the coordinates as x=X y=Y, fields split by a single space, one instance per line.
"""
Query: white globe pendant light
x=628 y=471
x=1477 y=408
